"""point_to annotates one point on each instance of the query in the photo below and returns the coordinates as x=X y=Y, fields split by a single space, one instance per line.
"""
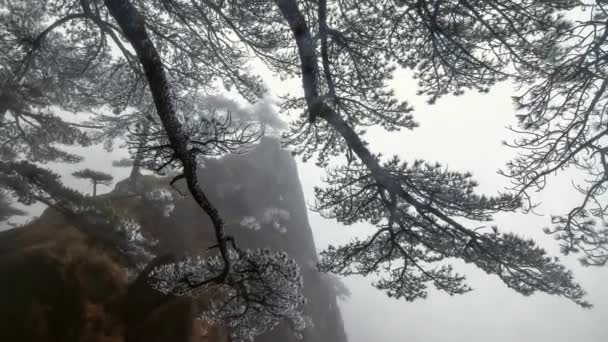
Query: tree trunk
x=139 y=154
x=133 y=28
x=318 y=108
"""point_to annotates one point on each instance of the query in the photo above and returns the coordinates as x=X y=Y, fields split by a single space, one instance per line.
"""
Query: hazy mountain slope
x=63 y=288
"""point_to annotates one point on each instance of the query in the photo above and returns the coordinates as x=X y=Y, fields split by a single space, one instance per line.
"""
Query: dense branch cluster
x=416 y=208
x=42 y=70
x=563 y=114
x=210 y=134
x=263 y=289
x=412 y=244
x=450 y=46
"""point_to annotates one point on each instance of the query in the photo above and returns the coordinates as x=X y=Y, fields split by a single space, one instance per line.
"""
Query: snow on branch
x=163 y=198
x=262 y=289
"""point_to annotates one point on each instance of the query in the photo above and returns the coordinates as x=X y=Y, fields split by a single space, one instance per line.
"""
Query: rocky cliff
x=64 y=288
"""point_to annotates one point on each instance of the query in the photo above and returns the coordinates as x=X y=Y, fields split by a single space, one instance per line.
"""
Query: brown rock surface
x=57 y=286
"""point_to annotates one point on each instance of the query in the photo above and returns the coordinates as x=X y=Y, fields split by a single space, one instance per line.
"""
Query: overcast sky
x=464 y=133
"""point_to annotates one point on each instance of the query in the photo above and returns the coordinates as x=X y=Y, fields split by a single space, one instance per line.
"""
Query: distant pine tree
x=95 y=177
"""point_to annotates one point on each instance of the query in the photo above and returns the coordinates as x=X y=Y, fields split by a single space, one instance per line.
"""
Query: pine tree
x=563 y=108
x=96 y=178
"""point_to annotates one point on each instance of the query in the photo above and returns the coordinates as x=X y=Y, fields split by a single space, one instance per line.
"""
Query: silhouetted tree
x=41 y=71
x=96 y=178
x=563 y=112
x=347 y=51
x=345 y=65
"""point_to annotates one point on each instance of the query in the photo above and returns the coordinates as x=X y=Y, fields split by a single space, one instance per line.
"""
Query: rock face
x=265 y=186
x=258 y=194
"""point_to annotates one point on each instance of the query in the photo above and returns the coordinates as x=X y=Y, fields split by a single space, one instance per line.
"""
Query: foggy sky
x=464 y=133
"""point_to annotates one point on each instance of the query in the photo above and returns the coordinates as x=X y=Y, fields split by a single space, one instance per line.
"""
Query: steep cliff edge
x=86 y=296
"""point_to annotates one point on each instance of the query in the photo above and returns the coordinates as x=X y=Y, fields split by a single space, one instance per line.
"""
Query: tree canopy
x=141 y=70
x=96 y=178
x=563 y=108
